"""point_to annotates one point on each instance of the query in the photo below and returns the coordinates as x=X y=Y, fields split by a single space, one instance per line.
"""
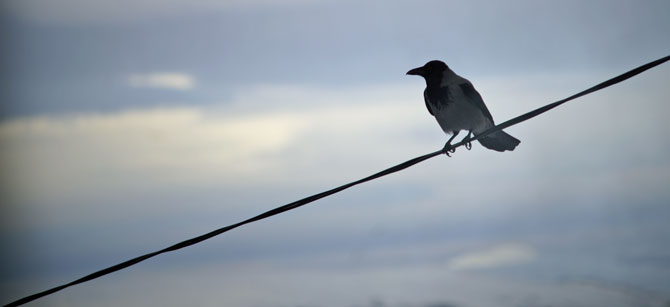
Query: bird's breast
x=454 y=112
x=438 y=98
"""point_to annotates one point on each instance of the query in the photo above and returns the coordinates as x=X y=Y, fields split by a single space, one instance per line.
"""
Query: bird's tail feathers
x=499 y=141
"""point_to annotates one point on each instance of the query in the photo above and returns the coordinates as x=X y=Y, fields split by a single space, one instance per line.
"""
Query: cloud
x=95 y=150
x=285 y=137
x=164 y=80
x=494 y=257
x=201 y=145
x=316 y=137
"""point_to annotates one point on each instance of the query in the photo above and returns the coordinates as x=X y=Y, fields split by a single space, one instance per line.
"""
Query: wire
x=309 y=199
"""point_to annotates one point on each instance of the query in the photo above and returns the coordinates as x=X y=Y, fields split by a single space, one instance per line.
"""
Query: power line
x=318 y=196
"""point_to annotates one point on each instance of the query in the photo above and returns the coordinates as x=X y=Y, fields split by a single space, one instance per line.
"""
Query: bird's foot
x=468 y=145
x=447 y=149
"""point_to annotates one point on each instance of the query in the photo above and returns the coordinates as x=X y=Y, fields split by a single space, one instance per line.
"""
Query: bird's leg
x=466 y=139
x=447 y=147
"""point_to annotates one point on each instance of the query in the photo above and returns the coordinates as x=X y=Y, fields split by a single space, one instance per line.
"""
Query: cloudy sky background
x=127 y=126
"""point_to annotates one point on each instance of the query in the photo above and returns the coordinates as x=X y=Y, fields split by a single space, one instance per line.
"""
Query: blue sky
x=127 y=126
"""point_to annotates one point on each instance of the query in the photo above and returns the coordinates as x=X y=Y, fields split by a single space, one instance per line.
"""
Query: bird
x=456 y=105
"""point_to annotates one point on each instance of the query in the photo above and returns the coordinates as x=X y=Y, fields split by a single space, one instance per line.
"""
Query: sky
x=128 y=126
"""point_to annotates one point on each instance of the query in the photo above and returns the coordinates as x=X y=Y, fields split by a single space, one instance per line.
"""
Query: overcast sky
x=127 y=126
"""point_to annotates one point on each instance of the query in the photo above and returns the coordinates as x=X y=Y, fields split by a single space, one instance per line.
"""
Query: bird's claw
x=468 y=143
x=447 y=149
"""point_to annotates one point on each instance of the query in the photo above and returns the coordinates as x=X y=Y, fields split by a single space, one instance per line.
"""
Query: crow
x=458 y=106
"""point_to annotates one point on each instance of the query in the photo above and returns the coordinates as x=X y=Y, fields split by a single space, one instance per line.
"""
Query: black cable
x=314 y=197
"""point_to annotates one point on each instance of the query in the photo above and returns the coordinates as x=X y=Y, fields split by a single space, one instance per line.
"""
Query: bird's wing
x=471 y=93
x=425 y=98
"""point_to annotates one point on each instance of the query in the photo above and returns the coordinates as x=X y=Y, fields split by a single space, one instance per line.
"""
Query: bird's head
x=433 y=70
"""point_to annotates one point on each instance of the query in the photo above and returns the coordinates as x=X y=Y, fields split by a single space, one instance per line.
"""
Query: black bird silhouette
x=458 y=106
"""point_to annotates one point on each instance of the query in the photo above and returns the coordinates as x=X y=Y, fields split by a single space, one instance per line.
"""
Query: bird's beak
x=416 y=71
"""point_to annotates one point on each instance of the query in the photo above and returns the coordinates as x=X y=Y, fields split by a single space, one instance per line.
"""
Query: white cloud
x=166 y=80
x=167 y=145
x=203 y=146
x=497 y=256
